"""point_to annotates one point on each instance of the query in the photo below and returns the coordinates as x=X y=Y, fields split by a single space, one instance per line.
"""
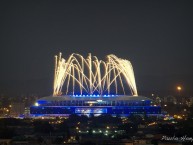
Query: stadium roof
x=104 y=98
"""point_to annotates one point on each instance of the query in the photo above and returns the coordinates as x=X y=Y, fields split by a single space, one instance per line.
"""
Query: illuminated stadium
x=87 y=86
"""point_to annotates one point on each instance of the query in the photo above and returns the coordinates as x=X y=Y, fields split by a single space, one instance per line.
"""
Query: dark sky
x=156 y=36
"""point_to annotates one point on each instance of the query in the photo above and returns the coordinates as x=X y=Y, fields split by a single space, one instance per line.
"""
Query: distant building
x=27 y=112
x=191 y=101
x=17 y=109
x=158 y=100
x=170 y=99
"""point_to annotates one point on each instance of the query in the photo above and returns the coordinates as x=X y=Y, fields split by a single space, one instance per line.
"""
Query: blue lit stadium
x=86 y=86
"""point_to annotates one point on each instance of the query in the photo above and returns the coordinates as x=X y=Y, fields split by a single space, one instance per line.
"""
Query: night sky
x=156 y=36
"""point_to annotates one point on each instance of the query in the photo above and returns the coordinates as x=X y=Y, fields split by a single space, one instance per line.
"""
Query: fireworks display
x=79 y=75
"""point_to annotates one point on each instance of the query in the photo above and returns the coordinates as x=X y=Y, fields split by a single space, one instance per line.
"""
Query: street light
x=179 y=88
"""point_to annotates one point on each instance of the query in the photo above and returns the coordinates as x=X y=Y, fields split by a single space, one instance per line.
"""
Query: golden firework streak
x=91 y=75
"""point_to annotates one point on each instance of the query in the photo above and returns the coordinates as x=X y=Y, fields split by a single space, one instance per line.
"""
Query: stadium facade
x=86 y=105
x=98 y=90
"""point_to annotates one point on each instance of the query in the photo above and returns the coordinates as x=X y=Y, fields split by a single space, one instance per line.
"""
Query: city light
x=36 y=104
x=179 y=88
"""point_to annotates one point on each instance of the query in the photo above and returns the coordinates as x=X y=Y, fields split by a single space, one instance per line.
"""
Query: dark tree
x=42 y=127
x=6 y=133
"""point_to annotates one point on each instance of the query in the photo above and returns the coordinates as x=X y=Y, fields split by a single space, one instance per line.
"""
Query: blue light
x=41 y=102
